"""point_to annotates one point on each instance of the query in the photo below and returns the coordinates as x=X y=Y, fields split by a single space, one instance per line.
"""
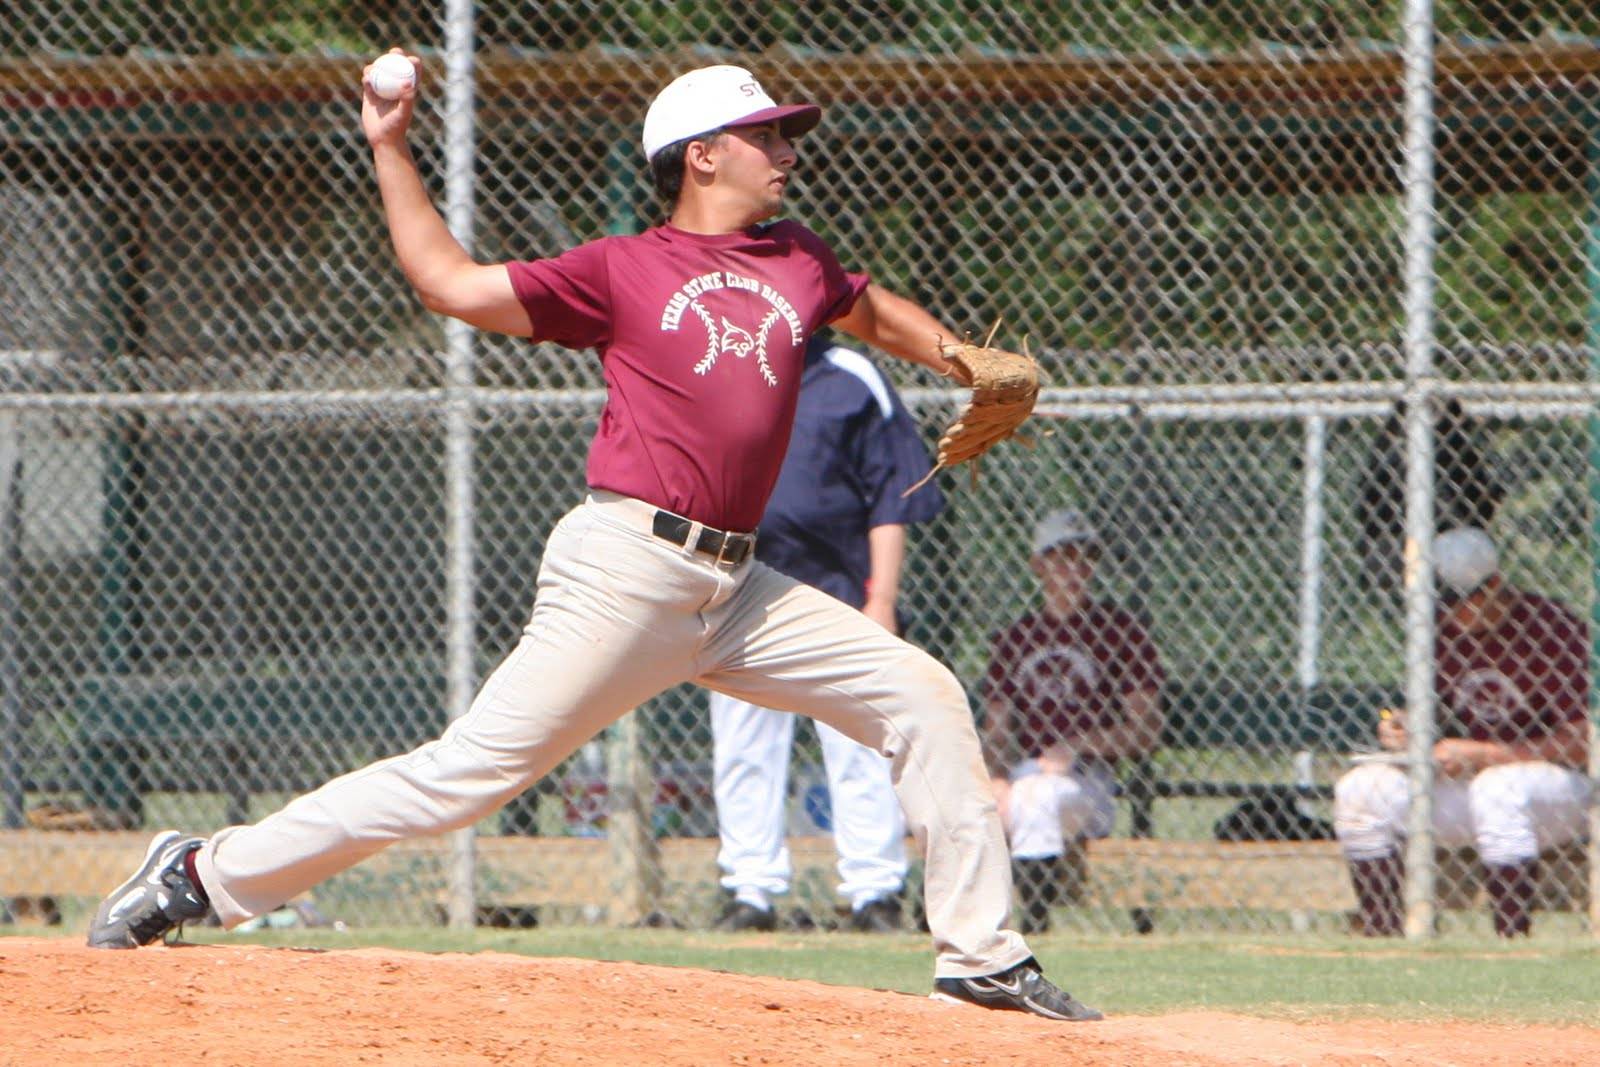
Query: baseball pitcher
x=700 y=325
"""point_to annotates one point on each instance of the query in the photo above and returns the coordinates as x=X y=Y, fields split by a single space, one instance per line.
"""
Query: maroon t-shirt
x=1064 y=676
x=702 y=342
x=1519 y=680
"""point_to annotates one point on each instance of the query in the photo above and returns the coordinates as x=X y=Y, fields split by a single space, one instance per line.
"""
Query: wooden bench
x=578 y=872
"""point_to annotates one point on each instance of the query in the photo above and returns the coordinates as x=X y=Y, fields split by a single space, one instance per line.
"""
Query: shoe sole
x=946 y=998
x=161 y=841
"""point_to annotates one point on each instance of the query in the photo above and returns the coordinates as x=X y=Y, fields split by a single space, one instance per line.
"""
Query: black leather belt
x=724 y=547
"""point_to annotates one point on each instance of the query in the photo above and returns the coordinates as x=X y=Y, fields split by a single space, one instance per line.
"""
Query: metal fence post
x=1419 y=519
x=1309 y=635
x=1592 y=276
x=460 y=514
x=11 y=728
x=1312 y=515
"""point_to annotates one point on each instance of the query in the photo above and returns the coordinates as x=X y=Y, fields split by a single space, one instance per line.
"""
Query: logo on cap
x=714 y=98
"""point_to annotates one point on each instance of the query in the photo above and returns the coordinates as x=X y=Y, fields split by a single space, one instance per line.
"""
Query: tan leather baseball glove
x=1005 y=386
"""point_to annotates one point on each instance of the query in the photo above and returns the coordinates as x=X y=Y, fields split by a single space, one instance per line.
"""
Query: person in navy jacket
x=836 y=521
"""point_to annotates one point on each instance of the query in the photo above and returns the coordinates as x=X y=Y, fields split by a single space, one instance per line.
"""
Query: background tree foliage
x=115 y=27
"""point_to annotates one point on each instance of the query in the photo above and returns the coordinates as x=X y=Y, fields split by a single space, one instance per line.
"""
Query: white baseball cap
x=711 y=98
x=1463 y=559
x=1064 y=527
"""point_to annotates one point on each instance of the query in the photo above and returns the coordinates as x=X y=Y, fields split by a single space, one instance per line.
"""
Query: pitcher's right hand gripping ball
x=1005 y=386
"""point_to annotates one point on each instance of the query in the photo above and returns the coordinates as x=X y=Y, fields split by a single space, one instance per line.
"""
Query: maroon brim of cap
x=792 y=119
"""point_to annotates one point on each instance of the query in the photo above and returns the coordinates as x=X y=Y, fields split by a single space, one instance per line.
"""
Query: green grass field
x=1551 y=979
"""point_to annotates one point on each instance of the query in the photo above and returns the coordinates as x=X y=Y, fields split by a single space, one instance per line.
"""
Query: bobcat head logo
x=736 y=339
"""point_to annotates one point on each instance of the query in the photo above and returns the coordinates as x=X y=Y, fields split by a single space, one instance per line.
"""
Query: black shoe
x=159 y=897
x=742 y=916
x=1021 y=988
x=881 y=916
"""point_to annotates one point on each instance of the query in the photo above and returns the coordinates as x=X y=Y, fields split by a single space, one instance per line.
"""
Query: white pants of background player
x=620 y=616
x=1048 y=810
x=750 y=758
x=1509 y=813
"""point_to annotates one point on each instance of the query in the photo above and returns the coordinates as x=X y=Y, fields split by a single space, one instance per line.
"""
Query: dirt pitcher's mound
x=63 y=1004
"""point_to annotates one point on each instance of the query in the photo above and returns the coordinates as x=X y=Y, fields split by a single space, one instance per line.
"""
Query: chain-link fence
x=237 y=457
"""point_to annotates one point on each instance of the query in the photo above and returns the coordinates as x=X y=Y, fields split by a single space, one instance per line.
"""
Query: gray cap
x=1463 y=559
x=1066 y=526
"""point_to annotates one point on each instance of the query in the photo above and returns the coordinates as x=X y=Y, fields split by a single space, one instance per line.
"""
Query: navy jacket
x=855 y=449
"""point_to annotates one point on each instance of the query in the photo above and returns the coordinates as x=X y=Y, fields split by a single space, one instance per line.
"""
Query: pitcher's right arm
x=446 y=279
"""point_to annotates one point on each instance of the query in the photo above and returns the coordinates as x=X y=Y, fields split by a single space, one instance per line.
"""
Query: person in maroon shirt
x=700 y=325
x=1070 y=690
x=1512 y=685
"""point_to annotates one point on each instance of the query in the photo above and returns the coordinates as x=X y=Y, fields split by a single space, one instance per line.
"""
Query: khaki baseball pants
x=1510 y=813
x=620 y=616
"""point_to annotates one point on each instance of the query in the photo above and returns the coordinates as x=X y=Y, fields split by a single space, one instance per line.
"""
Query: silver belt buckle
x=722 y=552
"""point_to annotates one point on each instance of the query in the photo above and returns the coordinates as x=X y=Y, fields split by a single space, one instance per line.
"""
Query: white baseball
x=391 y=75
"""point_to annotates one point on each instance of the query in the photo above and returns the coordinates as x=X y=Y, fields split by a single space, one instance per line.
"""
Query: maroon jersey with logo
x=702 y=342
x=1518 y=680
x=1064 y=676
